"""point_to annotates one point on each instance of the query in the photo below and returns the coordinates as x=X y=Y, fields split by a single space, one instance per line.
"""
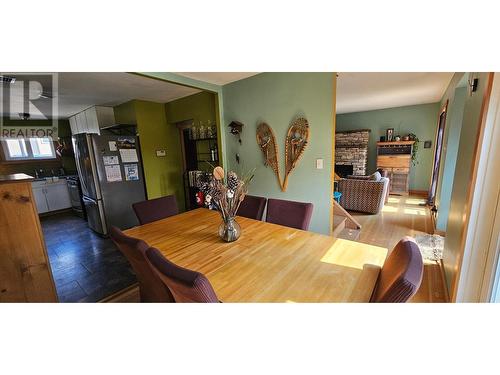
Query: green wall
x=418 y=119
x=163 y=175
x=461 y=181
x=278 y=98
x=453 y=127
x=198 y=107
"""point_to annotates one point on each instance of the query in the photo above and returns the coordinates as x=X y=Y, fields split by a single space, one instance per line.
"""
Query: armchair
x=363 y=193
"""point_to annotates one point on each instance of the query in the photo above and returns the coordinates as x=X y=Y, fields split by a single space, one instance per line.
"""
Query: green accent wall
x=163 y=175
x=219 y=101
x=198 y=107
x=279 y=98
x=418 y=119
x=462 y=178
x=453 y=127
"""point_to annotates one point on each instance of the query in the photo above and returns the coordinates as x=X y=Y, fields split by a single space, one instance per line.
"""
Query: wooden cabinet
x=395 y=158
x=24 y=265
x=92 y=120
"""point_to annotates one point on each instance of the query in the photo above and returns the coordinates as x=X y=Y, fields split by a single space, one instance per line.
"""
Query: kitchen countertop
x=48 y=178
x=16 y=177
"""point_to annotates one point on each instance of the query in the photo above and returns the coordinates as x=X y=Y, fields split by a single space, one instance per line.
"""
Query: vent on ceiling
x=7 y=79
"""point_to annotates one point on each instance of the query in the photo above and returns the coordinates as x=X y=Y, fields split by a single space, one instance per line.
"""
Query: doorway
x=437 y=155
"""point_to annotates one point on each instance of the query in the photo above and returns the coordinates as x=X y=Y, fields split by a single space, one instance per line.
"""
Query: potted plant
x=414 y=150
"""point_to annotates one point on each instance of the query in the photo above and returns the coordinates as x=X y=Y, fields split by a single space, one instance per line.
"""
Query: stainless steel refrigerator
x=111 y=177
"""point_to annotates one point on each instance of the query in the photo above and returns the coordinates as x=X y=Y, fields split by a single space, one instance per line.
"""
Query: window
x=28 y=149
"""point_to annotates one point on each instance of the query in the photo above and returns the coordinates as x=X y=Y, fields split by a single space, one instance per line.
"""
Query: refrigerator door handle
x=89 y=200
x=93 y=166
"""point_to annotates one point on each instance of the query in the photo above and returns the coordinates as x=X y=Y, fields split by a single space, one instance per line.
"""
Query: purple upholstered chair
x=288 y=213
x=155 y=209
x=185 y=285
x=252 y=207
x=401 y=274
x=151 y=287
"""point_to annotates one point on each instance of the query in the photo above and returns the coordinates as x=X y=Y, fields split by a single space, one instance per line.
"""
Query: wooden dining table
x=269 y=262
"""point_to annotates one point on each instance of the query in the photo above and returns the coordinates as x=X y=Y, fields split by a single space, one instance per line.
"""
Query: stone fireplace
x=351 y=148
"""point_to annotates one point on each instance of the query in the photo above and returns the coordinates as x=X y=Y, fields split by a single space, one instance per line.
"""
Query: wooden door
x=24 y=266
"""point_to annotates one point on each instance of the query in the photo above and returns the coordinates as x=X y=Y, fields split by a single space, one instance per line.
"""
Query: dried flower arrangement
x=225 y=194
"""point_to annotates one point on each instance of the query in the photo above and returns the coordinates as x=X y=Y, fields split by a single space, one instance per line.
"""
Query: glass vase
x=229 y=230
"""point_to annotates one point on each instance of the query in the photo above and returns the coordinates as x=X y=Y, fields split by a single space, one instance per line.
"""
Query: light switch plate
x=319 y=163
x=161 y=153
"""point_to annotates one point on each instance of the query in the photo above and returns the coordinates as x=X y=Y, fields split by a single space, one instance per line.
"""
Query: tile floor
x=85 y=267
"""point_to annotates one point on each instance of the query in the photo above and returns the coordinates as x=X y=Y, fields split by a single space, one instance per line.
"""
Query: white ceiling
x=357 y=92
x=217 y=78
x=78 y=91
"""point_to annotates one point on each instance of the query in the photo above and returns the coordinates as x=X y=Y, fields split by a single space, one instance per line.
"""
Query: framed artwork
x=389 y=133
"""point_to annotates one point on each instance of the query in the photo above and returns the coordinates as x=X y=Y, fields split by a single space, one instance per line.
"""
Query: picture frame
x=389 y=134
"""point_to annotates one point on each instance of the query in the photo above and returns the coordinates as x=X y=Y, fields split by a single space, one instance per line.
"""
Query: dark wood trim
x=353 y=131
x=420 y=193
x=399 y=143
x=444 y=109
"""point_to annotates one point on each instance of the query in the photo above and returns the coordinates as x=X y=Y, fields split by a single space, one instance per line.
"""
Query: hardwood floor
x=404 y=216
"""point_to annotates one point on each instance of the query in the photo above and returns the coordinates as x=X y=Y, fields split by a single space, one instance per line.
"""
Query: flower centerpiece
x=225 y=194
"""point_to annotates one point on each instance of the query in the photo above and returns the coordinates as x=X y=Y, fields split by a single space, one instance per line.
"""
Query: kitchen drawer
x=401 y=170
x=393 y=161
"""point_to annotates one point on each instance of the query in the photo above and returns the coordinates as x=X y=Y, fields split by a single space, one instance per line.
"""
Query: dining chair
x=401 y=274
x=185 y=285
x=155 y=209
x=252 y=207
x=289 y=213
x=151 y=288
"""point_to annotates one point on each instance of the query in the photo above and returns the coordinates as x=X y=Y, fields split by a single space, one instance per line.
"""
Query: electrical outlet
x=319 y=163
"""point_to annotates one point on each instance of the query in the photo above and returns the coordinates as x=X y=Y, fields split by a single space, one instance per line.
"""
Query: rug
x=431 y=246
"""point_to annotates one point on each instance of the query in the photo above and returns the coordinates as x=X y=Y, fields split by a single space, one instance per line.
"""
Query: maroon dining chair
x=151 y=288
x=252 y=207
x=401 y=274
x=155 y=209
x=185 y=285
x=289 y=213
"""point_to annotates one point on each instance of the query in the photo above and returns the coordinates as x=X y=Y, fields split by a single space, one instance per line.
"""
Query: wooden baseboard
x=443 y=278
x=440 y=232
x=434 y=229
x=419 y=193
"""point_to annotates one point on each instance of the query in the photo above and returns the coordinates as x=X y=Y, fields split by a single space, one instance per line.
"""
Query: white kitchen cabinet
x=72 y=125
x=81 y=122
x=57 y=196
x=92 y=120
x=105 y=116
x=40 y=200
x=51 y=196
